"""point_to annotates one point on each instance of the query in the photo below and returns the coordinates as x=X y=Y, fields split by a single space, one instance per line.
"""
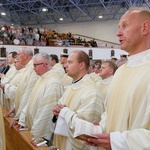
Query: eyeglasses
x=38 y=64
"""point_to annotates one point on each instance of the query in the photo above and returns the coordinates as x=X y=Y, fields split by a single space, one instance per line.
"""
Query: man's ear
x=111 y=71
x=146 y=28
x=82 y=65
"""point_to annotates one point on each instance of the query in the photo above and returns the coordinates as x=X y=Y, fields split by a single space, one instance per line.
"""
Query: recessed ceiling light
x=61 y=19
x=3 y=13
x=44 y=9
x=100 y=16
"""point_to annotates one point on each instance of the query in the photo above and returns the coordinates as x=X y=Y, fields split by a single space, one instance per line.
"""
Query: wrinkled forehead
x=130 y=16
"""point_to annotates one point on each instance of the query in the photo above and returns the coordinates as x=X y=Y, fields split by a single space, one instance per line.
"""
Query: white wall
x=98 y=53
x=104 y=30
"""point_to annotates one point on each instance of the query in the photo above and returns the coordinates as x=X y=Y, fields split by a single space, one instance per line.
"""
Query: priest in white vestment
x=126 y=122
x=107 y=71
x=56 y=66
x=95 y=76
x=12 y=70
x=125 y=125
x=5 y=78
x=82 y=97
x=45 y=94
x=11 y=86
x=27 y=81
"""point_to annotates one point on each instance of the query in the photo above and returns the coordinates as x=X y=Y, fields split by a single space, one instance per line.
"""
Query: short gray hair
x=44 y=56
x=27 y=50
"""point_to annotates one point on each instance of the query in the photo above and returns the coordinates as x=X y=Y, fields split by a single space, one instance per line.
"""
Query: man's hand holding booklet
x=85 y=129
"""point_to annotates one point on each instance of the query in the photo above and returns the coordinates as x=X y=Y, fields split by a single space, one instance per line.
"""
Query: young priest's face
x=73 y=66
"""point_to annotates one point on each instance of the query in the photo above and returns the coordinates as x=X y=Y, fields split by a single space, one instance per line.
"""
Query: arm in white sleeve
x=118 y=142
x=70 y=118
x=9 y=91
x=22 y=117
x=66 y=119
x=61 y=123
x=116 y=138
x=103 y=121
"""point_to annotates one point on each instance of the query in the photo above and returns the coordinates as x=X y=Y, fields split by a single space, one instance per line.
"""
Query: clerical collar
x=76 y=80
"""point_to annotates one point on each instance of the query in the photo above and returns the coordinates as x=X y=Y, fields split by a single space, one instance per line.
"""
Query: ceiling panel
x=30 y=12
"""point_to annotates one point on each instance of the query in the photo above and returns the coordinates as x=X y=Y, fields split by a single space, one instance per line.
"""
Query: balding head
x=144 y=15
x=134 y=31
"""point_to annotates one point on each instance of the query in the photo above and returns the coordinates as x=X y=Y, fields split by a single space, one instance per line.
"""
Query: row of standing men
x=33 y=85
x=125 y=124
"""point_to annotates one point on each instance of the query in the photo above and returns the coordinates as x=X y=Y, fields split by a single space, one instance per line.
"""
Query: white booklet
x=85 y=129
x=61 y=127
x=23 y=129
x=38 y=142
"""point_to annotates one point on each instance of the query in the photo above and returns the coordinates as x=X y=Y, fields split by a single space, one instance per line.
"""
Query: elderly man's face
x=21 y=56
x=39 y=66
x=18 y=65
x=129 y=32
